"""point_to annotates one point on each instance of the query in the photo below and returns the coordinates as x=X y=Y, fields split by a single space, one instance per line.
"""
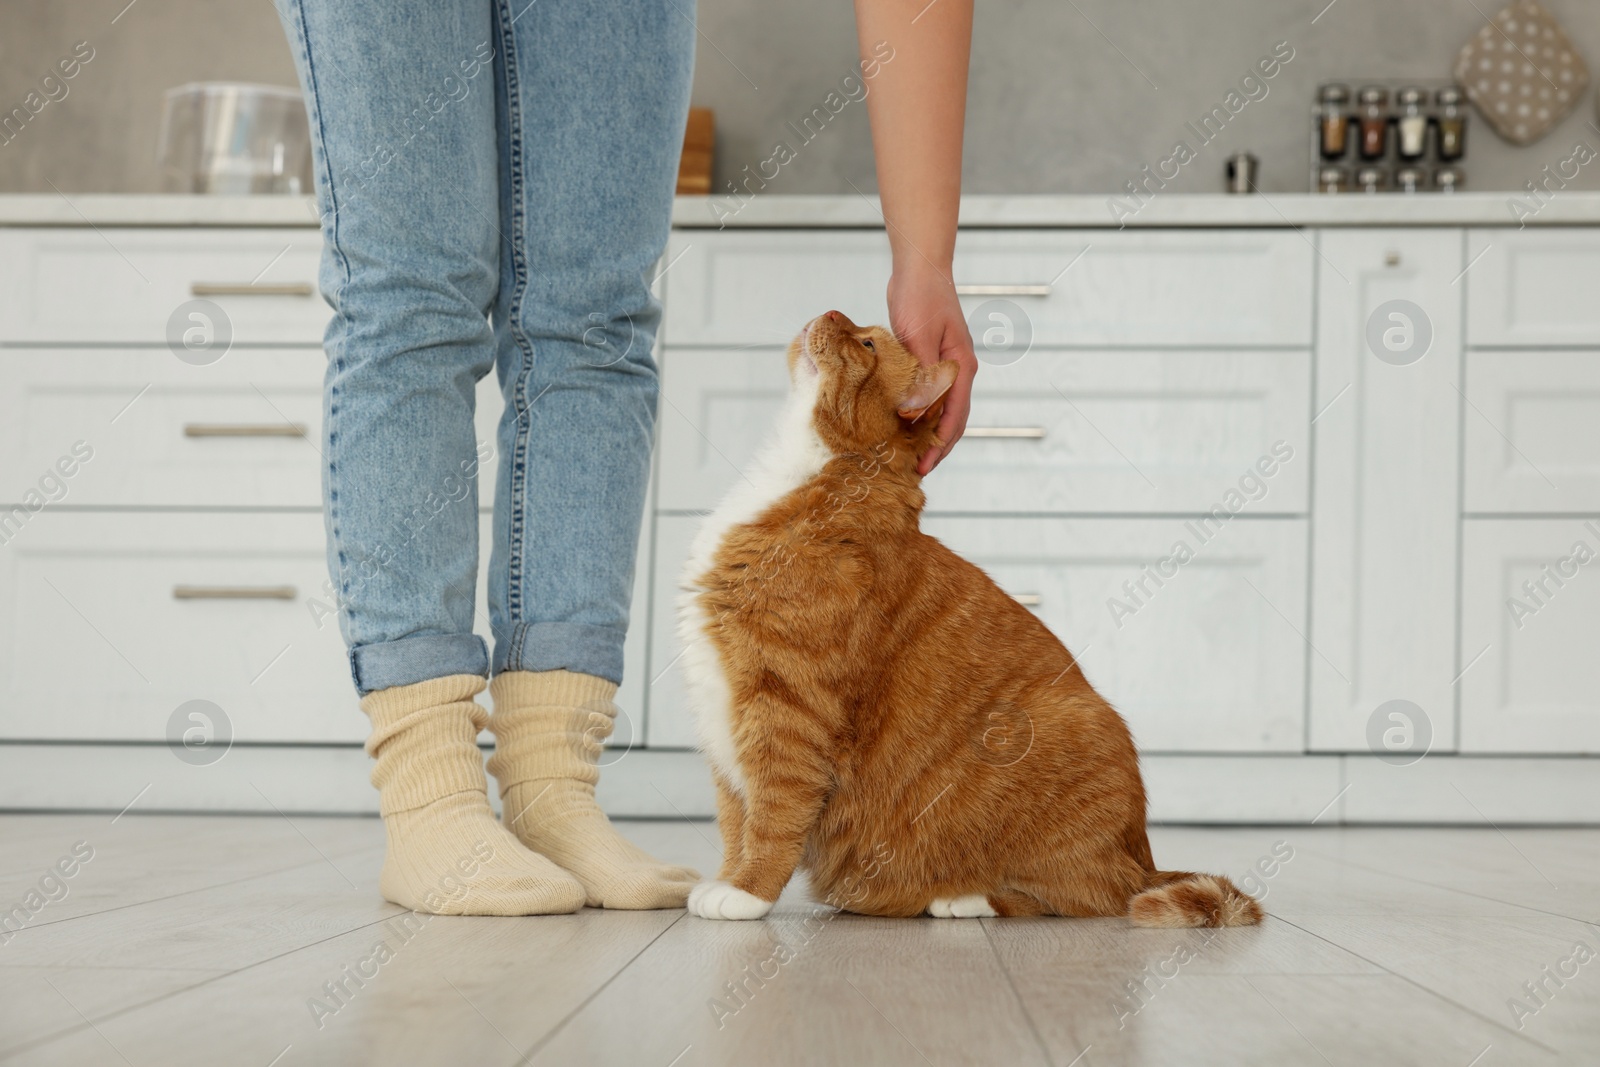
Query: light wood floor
x=211 y=940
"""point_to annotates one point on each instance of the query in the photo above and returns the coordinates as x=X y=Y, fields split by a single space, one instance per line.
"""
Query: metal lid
x=1374 y=94
x=1411 y=96
x=1449 y=96
x=1334 y=93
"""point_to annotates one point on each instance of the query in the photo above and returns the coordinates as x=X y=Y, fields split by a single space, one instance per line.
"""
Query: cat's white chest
x=792 y=456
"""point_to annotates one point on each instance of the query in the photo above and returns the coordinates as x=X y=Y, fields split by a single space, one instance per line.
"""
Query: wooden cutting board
x=699 y=143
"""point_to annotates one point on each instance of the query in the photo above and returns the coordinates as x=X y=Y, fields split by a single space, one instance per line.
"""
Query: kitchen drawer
x=1250 y=287
x=1531 y=440
x=1530 y=613
x=1210 y=661
x=760 y=287
x=1117 y=431
x=1533 y=287
x=95 y=646
x=164 y=432
x=127 y=285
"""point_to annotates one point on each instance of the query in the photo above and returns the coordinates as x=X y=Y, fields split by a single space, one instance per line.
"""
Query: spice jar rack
x=1380 y=136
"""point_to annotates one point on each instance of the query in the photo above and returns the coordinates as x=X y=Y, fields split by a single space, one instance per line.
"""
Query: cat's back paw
x=971 y=906
x=720 y=900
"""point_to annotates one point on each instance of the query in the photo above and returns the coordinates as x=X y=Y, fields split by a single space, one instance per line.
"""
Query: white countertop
x=697 y=212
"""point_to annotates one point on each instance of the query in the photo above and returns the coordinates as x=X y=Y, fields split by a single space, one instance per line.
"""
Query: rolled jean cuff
x=417 y=659
x=555 y=646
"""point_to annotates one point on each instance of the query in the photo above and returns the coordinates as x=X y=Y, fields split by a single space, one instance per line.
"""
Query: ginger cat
x=876 y=709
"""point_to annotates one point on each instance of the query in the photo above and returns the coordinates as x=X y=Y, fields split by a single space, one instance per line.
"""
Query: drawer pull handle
x=1028 y=433
x=233 y=592
x=305 y=289
x=1002 y=290
x=244 y=429
x=1027 y=600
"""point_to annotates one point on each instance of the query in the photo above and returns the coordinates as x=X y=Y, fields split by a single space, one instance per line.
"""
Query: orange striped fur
x=876 y=710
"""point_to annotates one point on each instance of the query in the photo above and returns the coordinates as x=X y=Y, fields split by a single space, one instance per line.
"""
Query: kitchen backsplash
x=1065 y=98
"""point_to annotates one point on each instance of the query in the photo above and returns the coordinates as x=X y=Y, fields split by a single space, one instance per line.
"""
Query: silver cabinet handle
x=1029 y=433
x=247 y=289
x=1002 y=290
x=1027 y=600
x=244 y=429
x=233 y=592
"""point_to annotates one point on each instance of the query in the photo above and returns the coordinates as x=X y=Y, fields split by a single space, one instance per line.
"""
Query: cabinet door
x=1530 y=613
x=1533 y=287
x=1385 y=507
x=1209 y=659
x=1530 y=437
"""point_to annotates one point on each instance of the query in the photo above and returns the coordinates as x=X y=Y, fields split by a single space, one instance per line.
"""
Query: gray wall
x=1066 y=97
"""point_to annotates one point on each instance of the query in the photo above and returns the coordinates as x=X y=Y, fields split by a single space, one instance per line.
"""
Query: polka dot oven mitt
x=1522 y=72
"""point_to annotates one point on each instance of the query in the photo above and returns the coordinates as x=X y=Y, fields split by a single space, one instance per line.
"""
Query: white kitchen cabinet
x=135 y=286
x=1530 y=614
x=1381 y=559
x=1386 y=504
x=1117 y=431
x=1532 y=431
x=1535 y=287
x=1209 y=659
x=1091 y=288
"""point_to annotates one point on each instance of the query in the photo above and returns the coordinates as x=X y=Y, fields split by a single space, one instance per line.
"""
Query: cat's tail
x=1180 y=898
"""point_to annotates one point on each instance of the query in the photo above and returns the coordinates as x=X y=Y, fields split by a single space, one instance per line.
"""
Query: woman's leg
x=402 y=112
x=593 y=98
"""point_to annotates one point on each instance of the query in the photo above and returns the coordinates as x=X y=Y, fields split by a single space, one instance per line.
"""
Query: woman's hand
x=925 y=314
x=914 y=60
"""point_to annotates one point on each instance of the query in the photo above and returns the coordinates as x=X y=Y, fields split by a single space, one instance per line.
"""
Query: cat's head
x=869 y=388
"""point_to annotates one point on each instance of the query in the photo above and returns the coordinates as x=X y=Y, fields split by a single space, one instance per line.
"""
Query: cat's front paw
x=719 y=900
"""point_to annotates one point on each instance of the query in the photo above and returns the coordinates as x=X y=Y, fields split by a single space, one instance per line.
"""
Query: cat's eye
x=866 y=344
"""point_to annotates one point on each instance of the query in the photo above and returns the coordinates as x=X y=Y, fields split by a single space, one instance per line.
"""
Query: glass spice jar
x=1411 y=127
x=1333 y=121
x=1374 y=121
x=1452 y=122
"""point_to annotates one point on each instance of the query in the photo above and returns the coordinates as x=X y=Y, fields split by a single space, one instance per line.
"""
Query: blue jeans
x=495 y=179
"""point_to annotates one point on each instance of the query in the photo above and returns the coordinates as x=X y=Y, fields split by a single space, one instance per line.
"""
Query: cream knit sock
x=549 y=727
x=447 y=855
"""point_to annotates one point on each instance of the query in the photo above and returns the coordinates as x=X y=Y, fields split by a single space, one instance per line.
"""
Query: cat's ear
x=932 y=382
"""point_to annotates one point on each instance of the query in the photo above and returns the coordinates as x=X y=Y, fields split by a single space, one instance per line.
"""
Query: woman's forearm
x=918 y=106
